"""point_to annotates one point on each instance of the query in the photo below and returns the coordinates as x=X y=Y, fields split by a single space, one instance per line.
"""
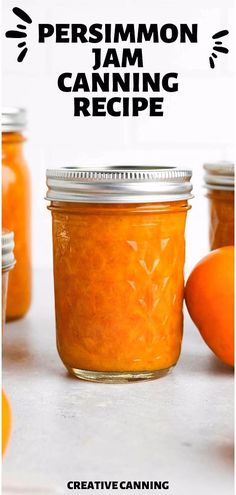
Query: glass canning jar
x=8 y=262
x=219 y=180
x=119 y=249
x=16 y=209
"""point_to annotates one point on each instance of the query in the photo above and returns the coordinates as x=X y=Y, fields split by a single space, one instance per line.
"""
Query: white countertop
x=178 y=428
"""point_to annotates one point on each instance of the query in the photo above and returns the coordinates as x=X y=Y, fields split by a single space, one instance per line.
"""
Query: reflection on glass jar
x=219 y=179
x=119 y=249
x=16 y=209
x=8 y=262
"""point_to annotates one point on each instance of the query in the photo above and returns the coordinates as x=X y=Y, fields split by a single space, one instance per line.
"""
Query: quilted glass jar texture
x=118 y=275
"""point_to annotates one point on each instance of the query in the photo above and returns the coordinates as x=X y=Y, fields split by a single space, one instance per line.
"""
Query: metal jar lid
x=8 y=259
x=118 y=184
x=13 y=119
x=219 y=175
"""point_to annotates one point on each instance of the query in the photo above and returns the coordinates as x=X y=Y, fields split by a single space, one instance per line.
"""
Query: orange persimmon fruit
x=6 y=421
x=209 y=296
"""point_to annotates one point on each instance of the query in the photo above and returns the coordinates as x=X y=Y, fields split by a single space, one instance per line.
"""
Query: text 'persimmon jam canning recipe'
x=119 y=249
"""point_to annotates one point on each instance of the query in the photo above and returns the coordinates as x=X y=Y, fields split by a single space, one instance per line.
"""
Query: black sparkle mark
x=217 y=48
x=15 y=34
x=22 y=15
x=220 y=49
x=212 y=63
x=22 y=55
x=21 y=32
x=220 y=34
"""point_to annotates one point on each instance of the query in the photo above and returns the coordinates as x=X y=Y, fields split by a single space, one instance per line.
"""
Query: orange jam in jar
x=219 y=179
x=16 y=210
x=119 y=249
x=8 y=262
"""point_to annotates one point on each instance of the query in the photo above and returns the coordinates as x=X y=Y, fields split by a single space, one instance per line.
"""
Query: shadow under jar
x=8 y=262
x=219 y=180
x=119 y=249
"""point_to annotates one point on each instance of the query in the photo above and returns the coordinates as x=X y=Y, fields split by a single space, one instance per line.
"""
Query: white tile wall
x=198 y=121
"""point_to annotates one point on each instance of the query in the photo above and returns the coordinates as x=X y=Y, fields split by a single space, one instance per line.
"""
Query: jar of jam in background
x=16 y=209
x=119 y=250
x=8 y=262
x=219 y=180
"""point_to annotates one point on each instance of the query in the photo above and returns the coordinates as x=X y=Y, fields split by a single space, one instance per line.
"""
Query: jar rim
x=118 y=184
x=219 y=175
x=13 y=119
x=8 y=259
